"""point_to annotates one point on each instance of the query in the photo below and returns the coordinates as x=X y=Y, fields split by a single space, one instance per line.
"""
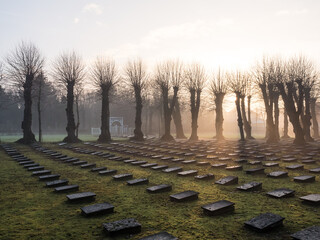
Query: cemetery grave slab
x=159 y=236
x=88 y=165
x=188 y=173
x=108 y=172
x=49 y=177
x=124 y=226
x=251 y=186
x=148 y=165
x=57 y=183
x=124 y=176
x=66 y=188
x=41 y=172
x=272 y=164
x=315 y=170
x=139 y=162
x=172 y=169
x=159 y=167
x=255 y=171
x=203 y=163
x=311 y=199
x=159 y=188
x=189 y=161
x=308 y=161
x=281 y=193
x=205 y=177
x=255 y=162
x=292 y=159
x=219 y=165
x=31 y=165
x=38 y=168
x=184 y=196
x=97 y=209
x=178 y=160
x=241 y=161
x=139 y=181
x=234 y=168
x=72 y=160
x=265 y=222
x=26 y=162
x=229 y=180
x=310 y=233
x=295 y=167
x=129 y=160
x=78 y=197
x=97 y=169
x=304 y=179
x=218 y=208
x=79 y=163
x=278 y=174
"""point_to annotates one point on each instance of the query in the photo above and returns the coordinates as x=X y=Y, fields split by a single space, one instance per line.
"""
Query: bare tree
x=78 y=95
x=23 y=65
x=137 y=78
x=246 y=94
x=69 y=71
x=39 y=82
x=195 y=80
x=168 y=74
x=218 y=89
x=104 y=76
x=176 y=114
x=313 y=101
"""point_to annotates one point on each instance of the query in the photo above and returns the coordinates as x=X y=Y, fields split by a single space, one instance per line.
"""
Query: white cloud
x=225 y=22
x=92 y=8
x=287 y=12
x=76 y=20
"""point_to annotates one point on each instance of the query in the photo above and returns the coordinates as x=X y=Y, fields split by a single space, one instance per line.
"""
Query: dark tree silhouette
x=218 y=89
x=137 y=78
x=176 y=114
x=104 y=77
x=313 y=101
x=69 y=71
x=39 y=82
x=246 y=94
x=23 y=65
x=285 y=124
x=195 y=78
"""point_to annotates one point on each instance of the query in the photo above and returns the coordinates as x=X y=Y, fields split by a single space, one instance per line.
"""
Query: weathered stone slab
x=26 y=162
x=205 y=177
x=38 y=168
x=139 y=162
x=310 y=233
x=295 y=167
x=255 y=162
x=178 y=160
x=49 y=177
x=315 y=170
x=292 y=159
x=189 y=154
x=160 y=167
x=273 y=159
x=139 y=181
x=255 y=171
x=304 y=179
x=265 y=222
x=31 y=165
x=308 y=161
x=184 y=196
x=189 y=161
x=57 y=183
x=124 y=226
x=166 y=158
x=188 y=173
x=272 y=164
x=157 y=156
x=67 y=188
x=41 y=172
x=203 y=163
x=281 y=192
x=88 y=165
x=79 y=163
x=224 y=159
x=229 y=180
x=251 y=186
x=234 y=168
x=218 y=208
x=98 y=169
x=311 y=199
x=219 y=165
x=72 y=160
x=130 y=160
x=241 y=161
x=278 y=174
x=97 y=209
x=108 y=172
x=172 y=169
x=159 y=188
x=84 y=196
x=149 y=165
x=124 y=176
x=160 y=236
x=115 y=158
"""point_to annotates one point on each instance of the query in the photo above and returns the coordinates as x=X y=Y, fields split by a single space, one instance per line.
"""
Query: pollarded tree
x=136 y=77
x=23 y=65
x=168 y=74
x=104 y=76
x=177 y=119
x=69 y=71
x=218 y=89
x=195 y=79
x=246 y=94
x=313 y=100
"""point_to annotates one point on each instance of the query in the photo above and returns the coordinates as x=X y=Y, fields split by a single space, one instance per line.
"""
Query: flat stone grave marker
x=108 y=172
x=66 y=158
x=167 y=158
x=72 y=160
x=139 y=181
x=97 y=209
x=159 y=167
x=255 y=171
x=217 y=208
x=149 y=165
x=189 y=154
x=304 y=179
x=57 y=183
x=41 y=172
x=251 y=186
x=157 y=156
x=26 y=162
x=310 y=233
x=295 y=167
x=116 y=158
x=281 y=192
x=31 y=165
x=38 y=168
x=308 y=161
x=78 y=197
x=139 y=162
x=188 y=173
x=205 y=177
x=292 y=159
x=97 y=169
x=203 y=163
x=287 y=156
x=189 y=161
x=23 y=159
x=159 y=188
x=184 y=196
x=273 y=159
x=224 y=159
x=123 y=176
x=260 y=157
x=159 y=236
x=229 y=180
x=311 y=199
x=265 y=222
x=272 y=164
x=219 y=165
x=79 y=163
x=212 y=157
x=130 y=160
x=178 y=160
x=241 y=161
x=306 y=158
x=234 y=168
x=255 y=162
x=172 y=169
x=277 y=174
x=67 y=188
x=49 y=177
x=315 y=170
x=124 y=226
x=88 y=165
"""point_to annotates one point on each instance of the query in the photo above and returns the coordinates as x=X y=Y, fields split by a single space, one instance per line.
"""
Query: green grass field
x=31 y=211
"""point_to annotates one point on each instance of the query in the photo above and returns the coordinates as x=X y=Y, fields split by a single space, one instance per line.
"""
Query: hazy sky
x=230 y=34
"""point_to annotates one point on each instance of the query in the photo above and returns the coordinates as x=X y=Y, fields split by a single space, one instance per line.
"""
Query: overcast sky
x=228 y=33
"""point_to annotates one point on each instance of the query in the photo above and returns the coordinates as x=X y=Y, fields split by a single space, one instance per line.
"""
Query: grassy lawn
x=30 y=211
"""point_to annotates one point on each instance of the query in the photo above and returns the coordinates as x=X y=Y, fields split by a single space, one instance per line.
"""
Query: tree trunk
x=315 y=126
x=78 y=116
x=307 y=116
x=39 y=109
x=138 y=135
x=28 y=136
x=276 y=115
x=247 y=126
x=177 y=121
x=150 y=125
x=195 y=106
x=285 y=124
x=71 y=126
x=240 y=123
x=219 y=115
x=249 y=109
x=105 y=135
x=168 y=112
